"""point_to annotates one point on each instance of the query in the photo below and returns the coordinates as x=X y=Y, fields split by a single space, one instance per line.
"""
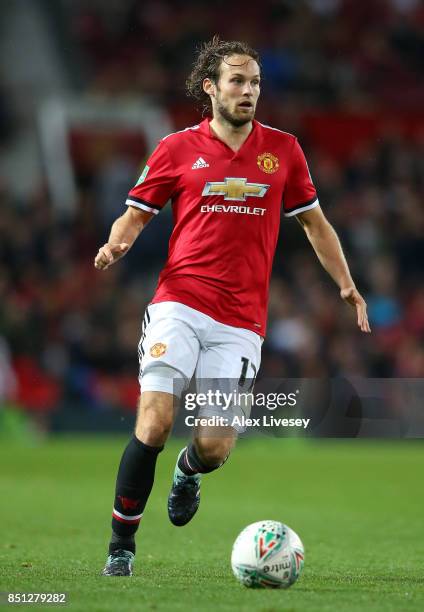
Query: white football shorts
x=188 y=344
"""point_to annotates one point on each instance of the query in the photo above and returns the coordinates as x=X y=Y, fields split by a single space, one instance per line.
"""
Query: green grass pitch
x=357 y=505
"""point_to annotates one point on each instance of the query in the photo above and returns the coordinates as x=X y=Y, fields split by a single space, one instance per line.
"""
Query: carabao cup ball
x=267 y=554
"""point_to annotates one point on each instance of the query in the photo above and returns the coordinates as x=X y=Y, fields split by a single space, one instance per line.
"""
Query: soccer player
x=228 y=179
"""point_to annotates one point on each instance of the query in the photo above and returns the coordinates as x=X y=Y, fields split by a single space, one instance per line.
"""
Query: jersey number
x=244 y=368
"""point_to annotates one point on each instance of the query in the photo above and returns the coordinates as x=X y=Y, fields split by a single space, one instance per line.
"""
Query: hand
x=352 y=296
x=109 y=253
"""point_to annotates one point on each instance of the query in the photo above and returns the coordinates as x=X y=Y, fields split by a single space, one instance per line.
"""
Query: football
x=267 y=554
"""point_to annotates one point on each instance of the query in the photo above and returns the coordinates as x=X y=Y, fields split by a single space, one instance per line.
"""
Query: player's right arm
x=145 y=200
x=123 y=234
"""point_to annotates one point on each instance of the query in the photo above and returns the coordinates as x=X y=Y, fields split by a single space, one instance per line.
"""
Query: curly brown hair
x=208 y=62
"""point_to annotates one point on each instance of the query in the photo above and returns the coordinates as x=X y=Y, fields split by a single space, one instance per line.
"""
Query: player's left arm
x=326 y=245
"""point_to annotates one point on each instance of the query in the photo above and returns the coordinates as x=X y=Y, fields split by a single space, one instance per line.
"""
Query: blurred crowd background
x=343 y=75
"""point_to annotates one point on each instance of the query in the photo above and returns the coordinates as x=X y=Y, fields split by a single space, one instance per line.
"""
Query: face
x=235 y=95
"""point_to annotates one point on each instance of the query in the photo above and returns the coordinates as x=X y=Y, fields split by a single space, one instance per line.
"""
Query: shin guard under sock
x=133 y=485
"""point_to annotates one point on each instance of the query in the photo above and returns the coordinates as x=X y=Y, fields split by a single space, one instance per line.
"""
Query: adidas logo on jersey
x=200 y=163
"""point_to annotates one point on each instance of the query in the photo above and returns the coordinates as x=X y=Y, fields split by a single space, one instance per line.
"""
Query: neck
x=233 y=136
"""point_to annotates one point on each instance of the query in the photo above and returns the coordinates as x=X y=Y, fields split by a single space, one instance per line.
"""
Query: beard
x=231 y=118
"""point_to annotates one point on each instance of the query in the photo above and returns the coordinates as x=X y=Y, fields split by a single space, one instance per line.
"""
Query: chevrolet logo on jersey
x=235 y=189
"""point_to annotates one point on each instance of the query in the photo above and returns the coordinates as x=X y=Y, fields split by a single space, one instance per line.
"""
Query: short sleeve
x=156 y=183
x=299 y=192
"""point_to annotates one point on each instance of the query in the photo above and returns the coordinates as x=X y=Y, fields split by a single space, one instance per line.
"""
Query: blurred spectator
x=8 y=383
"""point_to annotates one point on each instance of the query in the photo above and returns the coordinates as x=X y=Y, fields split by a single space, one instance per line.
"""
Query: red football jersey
x=226 y=208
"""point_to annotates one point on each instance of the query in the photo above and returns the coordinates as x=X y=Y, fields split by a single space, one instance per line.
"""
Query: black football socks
x=190 y=462
x=133 y=485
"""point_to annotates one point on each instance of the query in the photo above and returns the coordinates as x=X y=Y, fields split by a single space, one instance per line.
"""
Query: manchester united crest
x=158 y=349
x=268 y=163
